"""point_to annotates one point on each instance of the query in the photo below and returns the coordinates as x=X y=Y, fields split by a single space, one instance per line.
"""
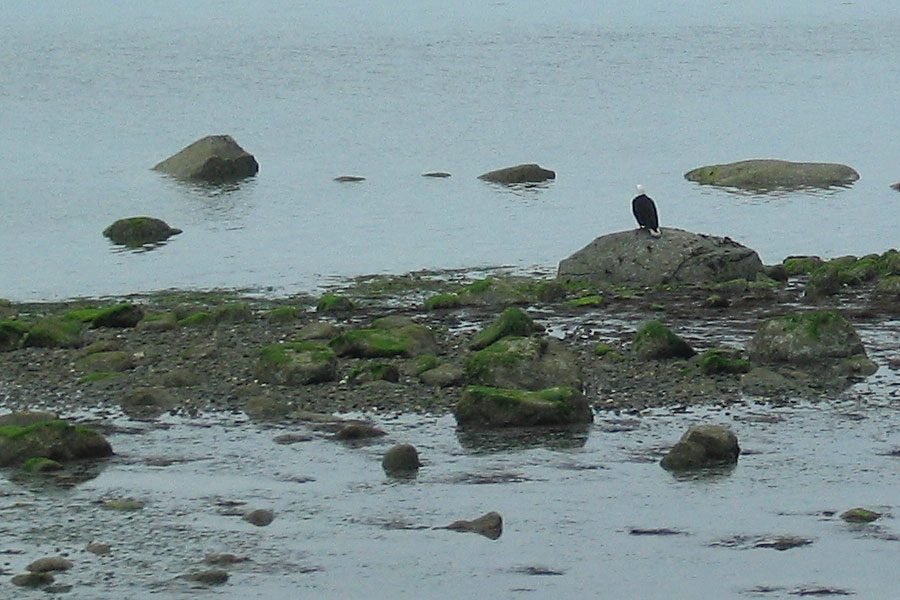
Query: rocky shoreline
x=190 y=352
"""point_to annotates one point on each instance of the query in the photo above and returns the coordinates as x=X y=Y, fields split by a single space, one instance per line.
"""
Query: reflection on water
x=510 y=439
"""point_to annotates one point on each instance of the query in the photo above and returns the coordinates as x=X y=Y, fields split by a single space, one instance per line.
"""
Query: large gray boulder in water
x=527 y=173
x=770 y=174
x=635 y=258
x=214 y=159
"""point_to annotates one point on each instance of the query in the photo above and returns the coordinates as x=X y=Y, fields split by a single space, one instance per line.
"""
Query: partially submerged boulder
x=401 y=460
x=481 y=406
x=524 y=363
x=55 y=439
x=139 y=231
x=490 y=525
x=296 y=363
x=213 y=159
x=809 y=338
x=527 y=173
x=513 y=321
x=634 y=258
x=703 y=446
x=769 y=174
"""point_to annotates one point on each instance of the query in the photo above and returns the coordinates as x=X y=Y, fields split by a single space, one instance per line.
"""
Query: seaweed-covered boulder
x=769 y=174
x=138 y=231
x=527 y=173
x=334 y=303
x=809 y=338
x=513 y=321
x=11 y=334
x=53 y=332
x=525 y=363
x=55 y=439
x=121 y=315
x=111 y=361
x=703 y=446
x=481 y=406
x=384 y=339
x=678 y=256
x=656 y=341
x=213 y=159
x=296 y=363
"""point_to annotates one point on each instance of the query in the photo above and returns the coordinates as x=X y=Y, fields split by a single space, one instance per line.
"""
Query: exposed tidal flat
x=203 y=437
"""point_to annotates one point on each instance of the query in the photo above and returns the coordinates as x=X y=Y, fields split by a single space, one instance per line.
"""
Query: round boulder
x=703 y=446
x=810 y=338
x=678 y=256
x=401 y=460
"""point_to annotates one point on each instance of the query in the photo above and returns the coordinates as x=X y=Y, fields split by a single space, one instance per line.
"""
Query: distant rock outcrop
x=213 y=159
x=635 y=258
x=527 y=173
x=770 y=174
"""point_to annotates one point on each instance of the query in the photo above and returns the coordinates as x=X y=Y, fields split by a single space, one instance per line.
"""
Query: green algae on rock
x=769 y=174
x=54 y=332
x=56 y=440
x=809 y=338
x=512 y=322
x=481 y=406
x=524 y=363
x=296 y=363
x=135 y=232
x=384 y=341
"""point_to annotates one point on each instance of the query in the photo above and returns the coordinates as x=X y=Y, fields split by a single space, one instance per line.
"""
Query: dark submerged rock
x=770 y=174
x=635 y=258
x=493 y=407
x=526 y=173
x=703 y=446
x=138 y=231
x=213 y=159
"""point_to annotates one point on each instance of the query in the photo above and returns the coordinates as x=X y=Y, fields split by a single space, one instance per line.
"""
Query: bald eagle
x=645 y=212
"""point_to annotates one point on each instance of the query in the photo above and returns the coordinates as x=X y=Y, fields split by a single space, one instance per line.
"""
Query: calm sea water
x=93 y=94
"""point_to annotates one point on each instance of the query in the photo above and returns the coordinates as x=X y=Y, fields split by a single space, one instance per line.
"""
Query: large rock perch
x=634 y=258
x=213 y=159
x=770 y=174
x=528 y=173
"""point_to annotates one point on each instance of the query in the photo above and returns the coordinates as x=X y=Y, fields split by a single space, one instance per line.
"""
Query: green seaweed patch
x=424 y=362
x=715 y=361
x=283 y=314
x=512 y=322
x=334 y=303
x=586 y=302
x=53 y=332
x=439 y=301
x=559 y=397
x=860 y=515
x=232 y=312
x=280 y=353
x=603 y=349
x=812 y=322
x=655 y=340
x=801 y=265
x=11 y=334
x=124 y=504
x=14 y=431
x=481 y=286
x=41 y=465
x=196 y=319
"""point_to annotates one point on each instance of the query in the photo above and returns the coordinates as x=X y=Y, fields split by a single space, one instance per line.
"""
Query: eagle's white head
x=640 y=189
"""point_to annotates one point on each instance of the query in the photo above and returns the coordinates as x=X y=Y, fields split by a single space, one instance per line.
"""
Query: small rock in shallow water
x=32 y=579
x=208 y=577
x=50 y=563
x=358 y=431
x=259 y=517
x=402 y=459
x=224 y=559
x=859 y=515
x=98 y=548
x=490 y=525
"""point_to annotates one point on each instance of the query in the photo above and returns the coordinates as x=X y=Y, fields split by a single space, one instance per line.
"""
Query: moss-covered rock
x=801 y=265
x=41 y=465
x=513 y=321
x=56 y=440
x=121 y=315
x=594 y=301
x=445 y=300
x=147 y=403
x=11 y=334
x=495 y=291
x=296 y=363
x=212 y=159
x=526 y=173
x=113 y=361
x=334 y=303
x=810 y=338
x=138 y=231
x=443 y=375
x=197 y=319
x=383 y=341
x=319 y=330
x=232 y=312
x=525 y=363
x=889 y=287
x=718 y=360
x=656 y=341
x=768 y=174
x=53 y=332
x=401 y=460
x=824 y=281
x=481 y=406
x=703 y=446
x=283 y=314
x=163 y=321
x=860 y=515
x=374 y=371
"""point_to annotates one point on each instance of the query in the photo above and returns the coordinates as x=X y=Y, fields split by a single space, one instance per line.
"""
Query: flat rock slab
x=214 y=159
x=678 y=256
x=771 y=174
x=527 y=173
